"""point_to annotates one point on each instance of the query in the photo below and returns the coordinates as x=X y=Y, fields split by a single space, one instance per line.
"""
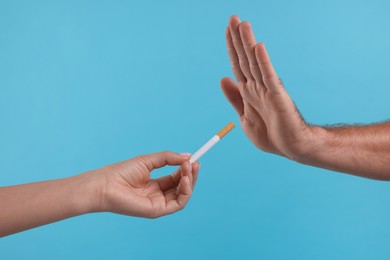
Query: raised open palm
x=267 y=114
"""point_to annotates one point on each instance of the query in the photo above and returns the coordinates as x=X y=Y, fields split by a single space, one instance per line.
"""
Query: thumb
x=232 y=93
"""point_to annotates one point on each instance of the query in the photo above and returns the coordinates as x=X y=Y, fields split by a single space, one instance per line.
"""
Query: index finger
x=158 y=160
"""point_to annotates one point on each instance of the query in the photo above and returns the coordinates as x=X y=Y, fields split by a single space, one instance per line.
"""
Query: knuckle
x=253 y=63
x=152 y=213
x=234 y=63
x=264 y=63
x=182 y=206
x=165 y=153
x=248 y=122
x=243 y=57
x=153 y=216
x=143 y=161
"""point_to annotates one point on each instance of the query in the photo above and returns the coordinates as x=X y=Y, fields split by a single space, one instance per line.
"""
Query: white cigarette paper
x=213 y=141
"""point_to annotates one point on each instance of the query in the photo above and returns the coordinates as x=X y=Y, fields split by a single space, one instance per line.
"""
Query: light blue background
x=88 y=83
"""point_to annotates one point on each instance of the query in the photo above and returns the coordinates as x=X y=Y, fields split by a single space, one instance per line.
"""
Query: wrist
x=85 y=193
x=310 y=148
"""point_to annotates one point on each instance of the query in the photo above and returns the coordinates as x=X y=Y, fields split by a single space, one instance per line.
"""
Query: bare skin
x=272 y=122
x=125 y=188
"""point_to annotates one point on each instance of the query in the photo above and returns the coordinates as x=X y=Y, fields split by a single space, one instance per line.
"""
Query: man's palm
x=268 y=115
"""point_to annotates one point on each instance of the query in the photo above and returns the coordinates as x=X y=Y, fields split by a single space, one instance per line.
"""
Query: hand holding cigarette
x=125 y=188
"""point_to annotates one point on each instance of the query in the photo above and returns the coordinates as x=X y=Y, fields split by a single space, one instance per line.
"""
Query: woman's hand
x=124 y=188
x=127 y=187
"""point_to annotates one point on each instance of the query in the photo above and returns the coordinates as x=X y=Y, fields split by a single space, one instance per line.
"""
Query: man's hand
x=268 y=115
x=272 y=122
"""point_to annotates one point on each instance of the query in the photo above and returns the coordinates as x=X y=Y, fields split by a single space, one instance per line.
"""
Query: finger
x=234 y=23
x=234 y=61
x=158 y=160
x=249 y=43
x=185 y=191
x=186 y=170
x=182 y=198
x=232 y=93
x=169 y=181
x=195 y=170
x=270 y=78
x=172 y=194
x=172 y=181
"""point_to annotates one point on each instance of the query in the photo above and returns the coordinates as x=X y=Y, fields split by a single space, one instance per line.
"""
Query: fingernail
x=198 y=165
x=185 y=154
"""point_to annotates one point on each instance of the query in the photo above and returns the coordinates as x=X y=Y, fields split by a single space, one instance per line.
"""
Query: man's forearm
x=358 y=150
x=31 y=205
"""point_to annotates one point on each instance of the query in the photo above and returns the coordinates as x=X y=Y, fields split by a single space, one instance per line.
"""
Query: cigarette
x=213 y=141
